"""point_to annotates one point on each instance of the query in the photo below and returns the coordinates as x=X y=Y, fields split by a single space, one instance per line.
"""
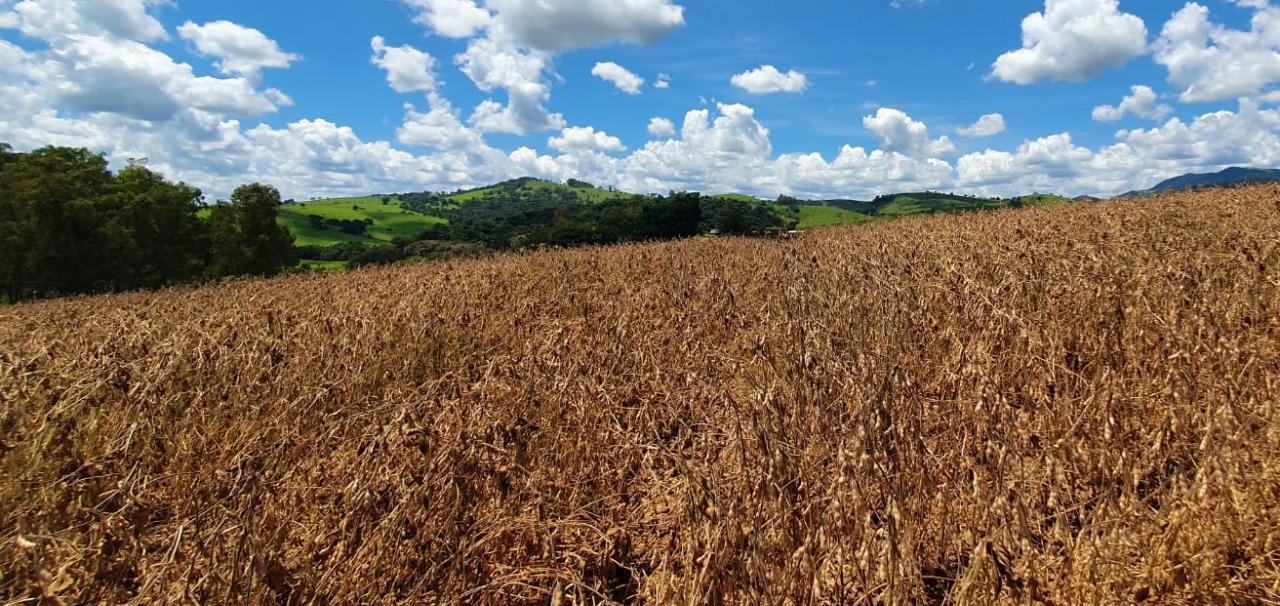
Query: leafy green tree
x=170 y=242
x=244 y=237
x=52 y=223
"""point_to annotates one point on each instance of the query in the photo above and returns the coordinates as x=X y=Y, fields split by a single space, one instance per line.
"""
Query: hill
x=321 y=222
x=1073 y=402
x=579 y=190
x=1231 y=176
x=919 y=203
x=529 y=212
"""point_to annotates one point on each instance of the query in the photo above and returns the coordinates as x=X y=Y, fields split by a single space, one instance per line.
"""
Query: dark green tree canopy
x=245 y=237
x=68 y=225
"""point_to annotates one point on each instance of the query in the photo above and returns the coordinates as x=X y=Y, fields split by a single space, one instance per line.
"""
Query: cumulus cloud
x=512 y=43
x=1209 y=62
x=96 y=74
x=898 y=132
x=767 y=79
x=662 y=128
x=1073 y=40
x=491 y=64
x=1142 y=102
x=408 y=69
x=440 y=127
x=986 y=126
x=560 y=25
x=662 y=82
x=709 y=153
x=621 y=77
x=585 y=138
x=240 y=50
x=122 y=19
x=451 y=18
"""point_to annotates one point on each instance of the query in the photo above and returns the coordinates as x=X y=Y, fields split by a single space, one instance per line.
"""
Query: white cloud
x=1073 y=40
x=898 y=132
x=621 y=77
x=122 y=19
x=512 y=43
x=767 y=79
x=240 y=50
x=719 y=154
x=1142 y=103
x=491 y=64
x=1213 y=140
x=408 y=69
x=451 y=18
x=439 y=127
x=560 y=25
x=8 y=18
x=1138 y=159
x=662 y=82
x=662 y=128
x=1209 y=62
x=585 y=138
x=986 y=126
x=96 y=74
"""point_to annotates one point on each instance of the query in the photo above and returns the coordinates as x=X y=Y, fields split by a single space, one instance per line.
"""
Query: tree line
x=69 y=225
x=544 y=217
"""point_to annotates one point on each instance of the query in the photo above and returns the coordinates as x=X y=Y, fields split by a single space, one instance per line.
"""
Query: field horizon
x=1060 y=404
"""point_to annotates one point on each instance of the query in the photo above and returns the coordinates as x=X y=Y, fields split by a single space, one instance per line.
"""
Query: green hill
x=738 y=197
x=329 y=222
x=817 y=215
x=384 y=221
x=530 y=186
x=926 y=203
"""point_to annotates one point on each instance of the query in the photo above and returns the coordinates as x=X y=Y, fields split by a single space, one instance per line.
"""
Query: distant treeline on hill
x=546 y=217
x=69 y=226
x=514 y=216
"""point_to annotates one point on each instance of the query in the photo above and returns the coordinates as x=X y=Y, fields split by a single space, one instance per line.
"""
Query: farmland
x=387 y=220
x=1065 y=404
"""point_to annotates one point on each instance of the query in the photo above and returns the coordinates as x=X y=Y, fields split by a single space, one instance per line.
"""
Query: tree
x=244 y=236
x=170 y=240
x=52 y=223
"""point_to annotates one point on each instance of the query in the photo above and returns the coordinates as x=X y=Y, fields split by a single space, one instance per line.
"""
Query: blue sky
x=812 y=98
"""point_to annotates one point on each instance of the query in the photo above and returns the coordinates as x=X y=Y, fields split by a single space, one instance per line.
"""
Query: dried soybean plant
x=1058 y=405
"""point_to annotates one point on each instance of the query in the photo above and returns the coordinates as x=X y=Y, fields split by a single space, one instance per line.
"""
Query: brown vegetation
x=1061 y=405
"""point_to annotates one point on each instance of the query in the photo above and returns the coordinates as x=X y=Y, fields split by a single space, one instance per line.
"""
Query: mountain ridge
x=1235 y=175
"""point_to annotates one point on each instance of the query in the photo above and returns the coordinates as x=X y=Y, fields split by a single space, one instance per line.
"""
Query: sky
x=808 y=98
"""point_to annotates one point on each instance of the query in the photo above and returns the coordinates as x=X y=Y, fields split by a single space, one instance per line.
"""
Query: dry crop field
x=1067 y=405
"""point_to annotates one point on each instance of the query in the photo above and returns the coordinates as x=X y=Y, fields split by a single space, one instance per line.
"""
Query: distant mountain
x=1231 y=176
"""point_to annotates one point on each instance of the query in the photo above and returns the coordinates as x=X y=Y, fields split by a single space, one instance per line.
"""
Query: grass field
x=826 y=216
x=1071 y=404
x=389 y=220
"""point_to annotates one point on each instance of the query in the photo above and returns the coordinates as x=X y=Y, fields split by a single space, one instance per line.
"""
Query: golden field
x=1064 y=405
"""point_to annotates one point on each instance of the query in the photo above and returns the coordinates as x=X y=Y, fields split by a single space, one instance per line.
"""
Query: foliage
x=69 y=226
x=1071 y=405
x=555 y=217
x=245 y=238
